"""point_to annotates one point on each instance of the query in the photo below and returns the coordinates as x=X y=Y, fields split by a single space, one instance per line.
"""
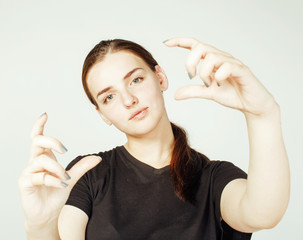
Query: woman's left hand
x=226 y=79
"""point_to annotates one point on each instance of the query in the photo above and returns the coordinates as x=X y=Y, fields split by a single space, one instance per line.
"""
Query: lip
x=139 y=114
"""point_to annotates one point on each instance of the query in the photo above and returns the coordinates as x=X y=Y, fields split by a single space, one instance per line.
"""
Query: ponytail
x=185 y=166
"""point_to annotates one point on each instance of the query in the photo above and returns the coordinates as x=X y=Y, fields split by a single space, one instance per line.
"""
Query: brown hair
x=185 y=165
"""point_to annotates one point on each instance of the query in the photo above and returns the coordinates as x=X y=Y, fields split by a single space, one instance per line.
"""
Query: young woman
x=155 y=186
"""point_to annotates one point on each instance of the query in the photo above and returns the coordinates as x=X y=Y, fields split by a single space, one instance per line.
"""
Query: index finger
x=187 y=43
x=192 y=44
x=39 y=125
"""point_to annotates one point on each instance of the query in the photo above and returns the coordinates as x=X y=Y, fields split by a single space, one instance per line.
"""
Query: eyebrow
x=126 y=76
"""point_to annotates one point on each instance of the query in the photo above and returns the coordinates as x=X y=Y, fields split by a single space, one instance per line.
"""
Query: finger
x=193 y=58
x=227 y=70
x=206 y=68
x=190 y=43
x=51 y=155
x=210 y=65
x=187 y=43
x=198 y=51
x=223 y=72
x=41 y=143
x=193 y=91
x=39 y=125
x=38 y=178
x=81 y=167
x=44 y=163
x=42 y=178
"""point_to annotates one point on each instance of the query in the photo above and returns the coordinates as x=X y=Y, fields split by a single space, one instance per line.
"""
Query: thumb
x=81 y=167
x=193 y=91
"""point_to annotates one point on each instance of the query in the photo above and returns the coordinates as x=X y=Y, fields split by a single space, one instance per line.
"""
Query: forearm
x=268 y=182
x=49 y=232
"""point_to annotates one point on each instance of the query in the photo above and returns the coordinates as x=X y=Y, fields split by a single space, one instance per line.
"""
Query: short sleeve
x=224 y=173
x=80 y=196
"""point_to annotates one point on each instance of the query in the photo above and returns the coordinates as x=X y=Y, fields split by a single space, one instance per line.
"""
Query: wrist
x=47 y=231
x=271 y=113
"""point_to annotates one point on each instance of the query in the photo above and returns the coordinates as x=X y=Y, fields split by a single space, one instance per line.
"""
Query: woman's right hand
x=44 y=184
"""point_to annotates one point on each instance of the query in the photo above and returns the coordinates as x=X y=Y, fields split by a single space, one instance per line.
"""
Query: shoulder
x=212 y=166
x=108 y=159
x=216 y=173
x=224 y=170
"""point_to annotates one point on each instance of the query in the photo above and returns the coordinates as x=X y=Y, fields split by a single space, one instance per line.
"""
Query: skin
x=151 y=137
x=246 y=205
x=40 y=184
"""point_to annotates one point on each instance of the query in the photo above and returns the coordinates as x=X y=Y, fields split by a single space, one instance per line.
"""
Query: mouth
x=139 y=114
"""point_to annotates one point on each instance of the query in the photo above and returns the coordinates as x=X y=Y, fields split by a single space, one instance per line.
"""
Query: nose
x=129 y=99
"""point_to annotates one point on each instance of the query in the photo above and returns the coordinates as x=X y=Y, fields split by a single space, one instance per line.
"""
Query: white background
x=43 y=45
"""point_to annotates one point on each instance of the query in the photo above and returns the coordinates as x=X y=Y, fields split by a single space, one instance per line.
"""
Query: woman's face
x=128 y=92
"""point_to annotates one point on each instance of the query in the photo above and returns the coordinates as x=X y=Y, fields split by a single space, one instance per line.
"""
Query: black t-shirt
x=125 y=198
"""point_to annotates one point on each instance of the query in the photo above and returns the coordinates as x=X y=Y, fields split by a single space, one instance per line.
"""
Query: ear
x=162 y=78
x=103 y=117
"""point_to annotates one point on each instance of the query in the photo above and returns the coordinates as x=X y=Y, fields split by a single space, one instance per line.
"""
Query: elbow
x=266 y=216
x=275 y=216
x=269 y=224
x=265 y=220
x=254 y=225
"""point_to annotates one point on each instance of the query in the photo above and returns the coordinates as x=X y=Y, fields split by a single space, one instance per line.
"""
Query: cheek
x=150 y=91
x=112 y=113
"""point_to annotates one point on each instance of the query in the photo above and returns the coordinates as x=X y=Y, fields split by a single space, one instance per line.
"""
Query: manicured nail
x=205 y=84
x=189 y=75
x=166 y=40
x=67 y=177
x=64 y=184
x=42 y=114
x=63 y=149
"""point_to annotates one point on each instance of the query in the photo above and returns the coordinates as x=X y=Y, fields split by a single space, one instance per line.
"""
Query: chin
x=141 y=128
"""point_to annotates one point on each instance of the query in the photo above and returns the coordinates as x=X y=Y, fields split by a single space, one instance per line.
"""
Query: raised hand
x=226 y=79
x=44 y=184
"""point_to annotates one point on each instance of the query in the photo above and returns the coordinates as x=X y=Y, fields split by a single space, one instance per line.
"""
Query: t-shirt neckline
x=141 y=164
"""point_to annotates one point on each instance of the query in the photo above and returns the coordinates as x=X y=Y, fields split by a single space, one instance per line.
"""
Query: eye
x=136 y=80
x=108 y=98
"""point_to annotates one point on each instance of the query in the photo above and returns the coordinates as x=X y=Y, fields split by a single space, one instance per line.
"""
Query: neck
x=155 y=149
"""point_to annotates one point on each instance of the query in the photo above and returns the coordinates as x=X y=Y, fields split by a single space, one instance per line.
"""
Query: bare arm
x=72 y=223
x=260 y=201
x=47 y=232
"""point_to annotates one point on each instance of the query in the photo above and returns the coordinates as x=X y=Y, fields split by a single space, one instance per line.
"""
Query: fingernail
x=67 y=177
x=189 y=75
x=205 y=84
x=64 y=184
x=166 y=40
x=63 y=149
x=42 y=114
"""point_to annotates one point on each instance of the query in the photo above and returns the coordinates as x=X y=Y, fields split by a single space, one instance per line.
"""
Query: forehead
x=113 y=67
